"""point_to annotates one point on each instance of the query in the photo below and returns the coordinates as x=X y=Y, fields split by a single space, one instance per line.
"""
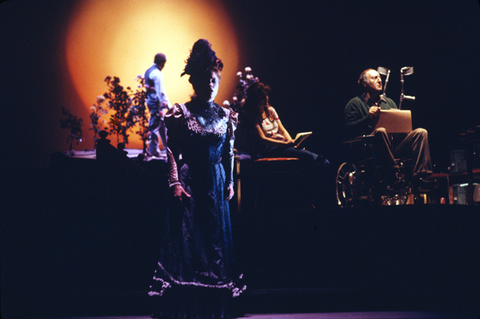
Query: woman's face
x=206 y=88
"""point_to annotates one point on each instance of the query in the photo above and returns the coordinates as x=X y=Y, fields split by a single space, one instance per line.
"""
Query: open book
x=301 y=137
x=395 y=121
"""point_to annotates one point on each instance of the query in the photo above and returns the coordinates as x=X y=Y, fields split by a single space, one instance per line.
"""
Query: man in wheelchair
x=361 y=116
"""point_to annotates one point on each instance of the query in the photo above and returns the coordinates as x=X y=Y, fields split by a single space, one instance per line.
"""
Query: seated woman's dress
x=269 y=126
x=195 y=277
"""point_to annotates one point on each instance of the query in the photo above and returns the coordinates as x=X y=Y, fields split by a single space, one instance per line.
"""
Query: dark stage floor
x=336 y=315
x=80 y=241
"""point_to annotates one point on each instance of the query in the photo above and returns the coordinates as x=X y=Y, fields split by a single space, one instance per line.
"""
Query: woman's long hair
x=256 y=93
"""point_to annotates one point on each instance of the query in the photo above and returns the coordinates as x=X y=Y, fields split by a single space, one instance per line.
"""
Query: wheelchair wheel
x=346 y=184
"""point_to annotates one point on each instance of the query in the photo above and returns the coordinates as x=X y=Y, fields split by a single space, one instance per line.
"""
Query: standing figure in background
x=157 y=102
x=195 y=276
x=362 y=114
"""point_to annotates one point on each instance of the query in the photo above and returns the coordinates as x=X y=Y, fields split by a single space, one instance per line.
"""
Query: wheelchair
x=360 y=181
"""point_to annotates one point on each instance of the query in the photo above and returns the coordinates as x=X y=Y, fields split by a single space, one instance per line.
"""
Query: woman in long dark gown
x=194 y=277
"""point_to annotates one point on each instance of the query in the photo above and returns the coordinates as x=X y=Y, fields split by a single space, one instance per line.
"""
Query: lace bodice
x=203 y=134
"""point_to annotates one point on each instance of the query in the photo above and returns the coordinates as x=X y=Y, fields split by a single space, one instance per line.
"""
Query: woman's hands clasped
x=180 y=195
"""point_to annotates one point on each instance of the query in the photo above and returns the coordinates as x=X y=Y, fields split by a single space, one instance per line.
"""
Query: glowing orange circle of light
x=120 y=38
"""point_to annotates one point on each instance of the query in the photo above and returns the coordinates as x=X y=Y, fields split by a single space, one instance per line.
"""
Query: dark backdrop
x=78 y=241
x=309 y=52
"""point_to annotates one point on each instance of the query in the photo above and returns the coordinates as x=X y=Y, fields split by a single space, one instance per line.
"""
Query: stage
x=79 y=240
x=337 y=315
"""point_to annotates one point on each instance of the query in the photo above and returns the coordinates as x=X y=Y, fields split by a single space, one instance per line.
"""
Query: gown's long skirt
x=194 y=276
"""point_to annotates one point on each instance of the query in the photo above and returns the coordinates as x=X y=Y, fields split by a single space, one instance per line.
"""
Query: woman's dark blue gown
x=194 y=276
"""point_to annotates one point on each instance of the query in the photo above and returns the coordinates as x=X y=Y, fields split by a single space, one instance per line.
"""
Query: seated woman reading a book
x=270 y=138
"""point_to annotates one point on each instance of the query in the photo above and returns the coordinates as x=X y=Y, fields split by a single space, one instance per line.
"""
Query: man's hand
x=374 y=111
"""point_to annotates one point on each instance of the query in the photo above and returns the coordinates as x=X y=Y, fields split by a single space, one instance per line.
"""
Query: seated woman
x=270 y=138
